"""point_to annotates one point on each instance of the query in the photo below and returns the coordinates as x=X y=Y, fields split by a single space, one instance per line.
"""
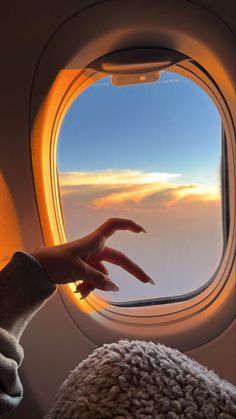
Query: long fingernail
x=77 y=290
x=150 y=280
x=141 y=228
x=85 y=294
x=83 y=297
x=110 y=286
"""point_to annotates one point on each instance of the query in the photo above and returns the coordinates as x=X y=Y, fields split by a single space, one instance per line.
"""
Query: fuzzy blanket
x=142 y=380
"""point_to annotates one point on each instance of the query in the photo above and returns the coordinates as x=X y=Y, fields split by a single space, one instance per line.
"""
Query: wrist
x=42 y=257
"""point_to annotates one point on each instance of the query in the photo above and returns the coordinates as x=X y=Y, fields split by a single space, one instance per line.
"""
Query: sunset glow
x=126 y=187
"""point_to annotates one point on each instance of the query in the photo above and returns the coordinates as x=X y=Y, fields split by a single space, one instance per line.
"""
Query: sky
x=152 y=153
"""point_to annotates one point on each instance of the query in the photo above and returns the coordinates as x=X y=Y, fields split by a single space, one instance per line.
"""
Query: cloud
x=129 y=188
x=169 y=81
x=101 y=84
x=114 y=177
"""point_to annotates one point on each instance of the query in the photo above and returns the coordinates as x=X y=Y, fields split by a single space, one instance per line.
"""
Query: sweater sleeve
x=24 y=288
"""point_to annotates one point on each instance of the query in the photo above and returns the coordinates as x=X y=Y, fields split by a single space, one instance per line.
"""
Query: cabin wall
x=26 y=27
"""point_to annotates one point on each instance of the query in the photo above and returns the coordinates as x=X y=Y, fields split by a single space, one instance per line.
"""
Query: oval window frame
x=187 y=325
x=145 y=320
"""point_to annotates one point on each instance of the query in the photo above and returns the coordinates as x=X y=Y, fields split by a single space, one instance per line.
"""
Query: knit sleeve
x=24 y=288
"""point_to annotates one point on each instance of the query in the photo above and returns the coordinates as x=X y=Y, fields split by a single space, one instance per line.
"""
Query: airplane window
x=153 y=153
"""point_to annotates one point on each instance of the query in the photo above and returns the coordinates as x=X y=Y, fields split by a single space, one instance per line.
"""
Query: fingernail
x=110 y=286
x=150 y=280
x=143 y=230
x=84 y=296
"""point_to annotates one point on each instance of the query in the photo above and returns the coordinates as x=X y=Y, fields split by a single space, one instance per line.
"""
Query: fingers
x=95 y=278
x=114 y=224
x=120 y=259
x=101 y=267
x=85 y=288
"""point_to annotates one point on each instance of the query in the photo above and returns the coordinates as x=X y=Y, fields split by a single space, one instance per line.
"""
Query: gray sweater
x=24 y=288
x=139 y=366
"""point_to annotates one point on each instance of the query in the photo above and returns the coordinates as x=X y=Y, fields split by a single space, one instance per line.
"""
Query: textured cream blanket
x=143 y=380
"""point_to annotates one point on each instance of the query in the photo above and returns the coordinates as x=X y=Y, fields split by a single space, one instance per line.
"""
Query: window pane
x=152 y=153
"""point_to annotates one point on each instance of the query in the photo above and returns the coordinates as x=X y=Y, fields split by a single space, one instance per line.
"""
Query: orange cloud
x=126 y=188
x=115 y=177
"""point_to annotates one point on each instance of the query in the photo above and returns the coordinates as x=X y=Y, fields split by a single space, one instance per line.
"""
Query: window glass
x=152 y=153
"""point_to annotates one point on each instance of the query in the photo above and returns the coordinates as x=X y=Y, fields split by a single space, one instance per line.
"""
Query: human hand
x=82 y=259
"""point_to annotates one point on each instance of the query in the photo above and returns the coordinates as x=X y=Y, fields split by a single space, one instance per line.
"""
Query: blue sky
x=171 y=125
